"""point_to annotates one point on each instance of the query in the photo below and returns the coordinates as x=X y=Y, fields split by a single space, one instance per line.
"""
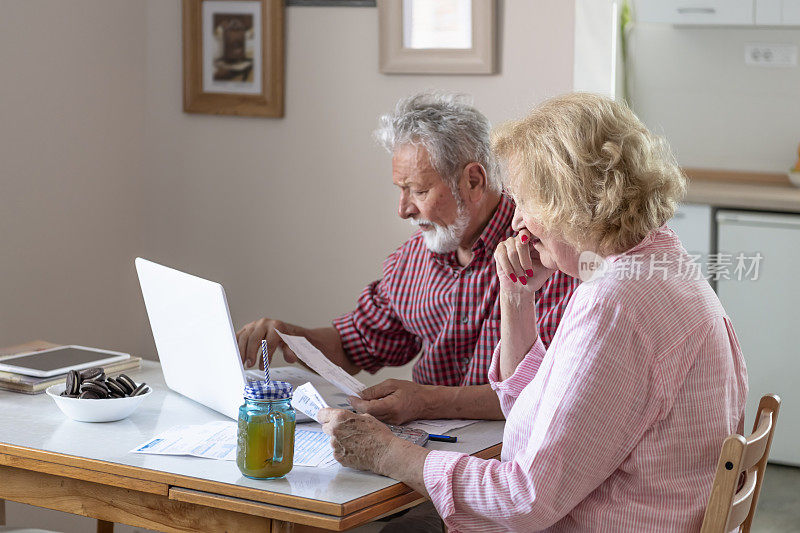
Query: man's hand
x=393 y=401
x=251 y=335
x=326 y=340
x=359 y=441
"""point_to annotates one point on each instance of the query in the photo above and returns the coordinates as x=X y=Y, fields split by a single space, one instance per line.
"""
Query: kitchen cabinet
x=790 y=12
x=777 y=12
x=692 y=223
x=719 y=12
x=764 y=314
x=703 y=12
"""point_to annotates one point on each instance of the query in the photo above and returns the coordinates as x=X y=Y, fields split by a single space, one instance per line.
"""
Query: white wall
x=691 y=84
x=596 y=47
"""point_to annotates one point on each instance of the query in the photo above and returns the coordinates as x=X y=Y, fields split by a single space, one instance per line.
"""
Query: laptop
x=194 y=336
x=197 y=345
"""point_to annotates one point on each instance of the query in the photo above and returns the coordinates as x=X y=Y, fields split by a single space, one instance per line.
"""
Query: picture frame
x=437 y=36
x=233 y=57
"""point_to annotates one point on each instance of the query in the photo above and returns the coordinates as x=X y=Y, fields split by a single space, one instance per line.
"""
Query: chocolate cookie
x=73 y=383
x=98 y=382
x=91 y=373
x=141 y=389
x=92 y=383
x=88 y=386
x=115 y=388
x=127 y=383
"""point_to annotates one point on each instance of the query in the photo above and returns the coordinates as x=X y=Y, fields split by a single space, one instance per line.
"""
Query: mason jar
x=265 y=436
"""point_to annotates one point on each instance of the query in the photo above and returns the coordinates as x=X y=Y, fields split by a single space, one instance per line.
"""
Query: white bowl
x=87 y=410
x=794 y=177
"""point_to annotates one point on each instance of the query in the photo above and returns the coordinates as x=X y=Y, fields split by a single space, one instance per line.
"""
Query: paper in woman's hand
x=308 y=400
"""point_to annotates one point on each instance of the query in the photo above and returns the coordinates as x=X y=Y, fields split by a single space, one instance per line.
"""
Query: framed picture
x=437 y=36
x=233 y=57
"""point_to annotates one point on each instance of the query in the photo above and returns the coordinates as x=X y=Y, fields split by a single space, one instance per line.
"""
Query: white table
x=51 y=461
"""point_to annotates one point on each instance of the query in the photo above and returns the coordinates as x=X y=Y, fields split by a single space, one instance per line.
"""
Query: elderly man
x=439 y=291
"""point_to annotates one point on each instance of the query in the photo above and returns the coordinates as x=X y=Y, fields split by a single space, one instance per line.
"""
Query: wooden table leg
x=105 y=527
x=2 y=512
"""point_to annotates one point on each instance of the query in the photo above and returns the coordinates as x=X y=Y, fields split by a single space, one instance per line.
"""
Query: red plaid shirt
x=428 y=301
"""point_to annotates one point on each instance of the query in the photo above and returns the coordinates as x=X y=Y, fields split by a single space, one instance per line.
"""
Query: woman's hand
x=521 y=275
x=518 y=265
x=359 y=441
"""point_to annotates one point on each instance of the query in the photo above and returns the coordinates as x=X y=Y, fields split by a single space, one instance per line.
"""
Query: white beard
x=444 y=239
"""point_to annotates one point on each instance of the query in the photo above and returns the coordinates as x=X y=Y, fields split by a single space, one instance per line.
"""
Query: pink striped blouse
x=618 y=425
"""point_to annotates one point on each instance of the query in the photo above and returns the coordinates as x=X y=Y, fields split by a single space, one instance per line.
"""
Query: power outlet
x=770 y=55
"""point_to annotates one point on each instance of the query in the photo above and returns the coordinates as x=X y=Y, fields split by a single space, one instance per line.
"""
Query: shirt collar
x=498 y=227
x=647 y=241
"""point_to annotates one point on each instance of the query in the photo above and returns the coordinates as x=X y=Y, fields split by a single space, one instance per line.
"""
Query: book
x=12 y=381
x=33 y=385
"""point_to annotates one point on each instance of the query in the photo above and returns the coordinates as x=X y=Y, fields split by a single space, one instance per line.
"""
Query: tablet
x=55 y=361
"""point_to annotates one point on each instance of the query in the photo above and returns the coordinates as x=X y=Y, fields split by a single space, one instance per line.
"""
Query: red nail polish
x=529 y=272
x=513 y=277
x=524 y=238
x=523 y=280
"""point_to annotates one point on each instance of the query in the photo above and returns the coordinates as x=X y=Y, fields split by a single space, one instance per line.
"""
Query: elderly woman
x=618 y=424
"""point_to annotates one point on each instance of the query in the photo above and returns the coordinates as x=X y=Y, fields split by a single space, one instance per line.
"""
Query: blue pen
x=442 y=438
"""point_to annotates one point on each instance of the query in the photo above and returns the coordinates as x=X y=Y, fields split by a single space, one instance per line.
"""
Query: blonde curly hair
x=589 y=171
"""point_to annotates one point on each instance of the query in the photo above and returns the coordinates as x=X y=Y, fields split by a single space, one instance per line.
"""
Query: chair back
x=740 y=473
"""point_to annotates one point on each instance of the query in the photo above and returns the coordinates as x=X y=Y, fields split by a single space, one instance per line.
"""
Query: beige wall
x=294 y=215
x=71 y=161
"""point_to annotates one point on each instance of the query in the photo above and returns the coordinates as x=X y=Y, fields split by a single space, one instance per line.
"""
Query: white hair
x=447 y=125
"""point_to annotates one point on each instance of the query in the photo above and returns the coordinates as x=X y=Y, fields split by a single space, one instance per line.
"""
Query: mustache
x=420 y=221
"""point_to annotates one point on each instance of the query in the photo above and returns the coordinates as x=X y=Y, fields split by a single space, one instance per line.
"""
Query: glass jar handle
x=277 y=443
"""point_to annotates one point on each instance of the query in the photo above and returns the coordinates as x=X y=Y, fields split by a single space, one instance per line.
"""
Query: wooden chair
x=740 y=472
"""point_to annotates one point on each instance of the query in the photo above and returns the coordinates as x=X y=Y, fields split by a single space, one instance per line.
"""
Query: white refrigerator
x=763 y=304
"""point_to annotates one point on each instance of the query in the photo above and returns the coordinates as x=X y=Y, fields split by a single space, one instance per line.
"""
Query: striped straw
x=265 y=360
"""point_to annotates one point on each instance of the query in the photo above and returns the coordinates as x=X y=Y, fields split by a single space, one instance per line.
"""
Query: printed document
x=217 y=440
x=313 y=448
x=439 y=426
x=308 y=401
x=311 y=356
